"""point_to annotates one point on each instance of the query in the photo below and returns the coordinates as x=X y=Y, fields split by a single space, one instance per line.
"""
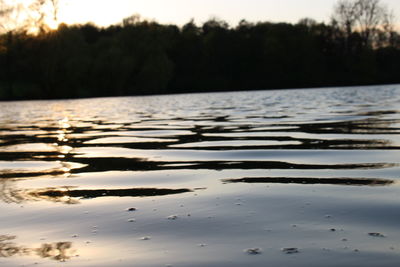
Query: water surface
x=278 y=178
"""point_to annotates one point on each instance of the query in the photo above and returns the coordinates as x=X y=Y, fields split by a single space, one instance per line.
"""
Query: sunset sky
x=105 y=12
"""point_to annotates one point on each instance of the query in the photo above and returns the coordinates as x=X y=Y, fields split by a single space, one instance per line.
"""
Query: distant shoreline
x=207 y=92
x=146 y=58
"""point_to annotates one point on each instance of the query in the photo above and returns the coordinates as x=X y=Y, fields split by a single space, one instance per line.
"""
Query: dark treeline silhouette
x=140 y=57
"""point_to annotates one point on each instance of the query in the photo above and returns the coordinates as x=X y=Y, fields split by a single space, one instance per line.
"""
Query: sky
x=106 y=12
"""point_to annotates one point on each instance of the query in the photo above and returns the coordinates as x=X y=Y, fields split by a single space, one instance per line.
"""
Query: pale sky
x=105 y=12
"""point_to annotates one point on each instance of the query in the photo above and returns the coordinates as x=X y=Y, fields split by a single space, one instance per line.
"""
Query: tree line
x=140 y=57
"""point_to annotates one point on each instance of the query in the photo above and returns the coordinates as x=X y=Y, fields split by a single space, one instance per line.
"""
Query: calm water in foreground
x=268 y=178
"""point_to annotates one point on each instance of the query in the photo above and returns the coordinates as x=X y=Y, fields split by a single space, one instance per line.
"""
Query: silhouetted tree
x=4 y=11
x=37 y=15
x=367 y=17
x=138 y=57
x=55 y=9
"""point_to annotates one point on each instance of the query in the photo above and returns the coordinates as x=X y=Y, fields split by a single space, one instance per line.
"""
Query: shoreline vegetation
x=141 y=57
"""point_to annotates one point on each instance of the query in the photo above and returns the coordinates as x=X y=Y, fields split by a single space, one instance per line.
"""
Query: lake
x=264 y=178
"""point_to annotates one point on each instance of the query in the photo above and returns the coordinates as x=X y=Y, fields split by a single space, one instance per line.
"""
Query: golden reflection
x=64 y=123
x=64 y=126
x=59 y=251
x=65 y=149
x=61 y=136
x=73 y=195
x=59 y=196
x=54 y=169
x=8 y=193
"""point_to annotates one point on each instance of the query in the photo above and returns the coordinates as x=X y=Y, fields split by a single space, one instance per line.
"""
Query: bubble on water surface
x=253 y=251
x=131 y=209
x=290 y=250
x=376 y=234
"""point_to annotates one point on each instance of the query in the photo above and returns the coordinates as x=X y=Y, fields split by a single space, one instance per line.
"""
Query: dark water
x=268 y=178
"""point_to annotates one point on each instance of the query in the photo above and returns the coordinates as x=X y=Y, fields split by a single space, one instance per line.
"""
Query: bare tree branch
x=369 y=18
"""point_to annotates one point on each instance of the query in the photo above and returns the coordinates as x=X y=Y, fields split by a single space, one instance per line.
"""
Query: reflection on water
x=113 y=150
x=301 y=180
x=59 y=251
x=69 y=195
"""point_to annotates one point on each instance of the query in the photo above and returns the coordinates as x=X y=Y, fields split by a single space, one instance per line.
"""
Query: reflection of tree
x=306 y=180
x=8 y=193
x=71 y=195
x=9 y=249
x=364 y=126
x=54 y=196
x=59 y=251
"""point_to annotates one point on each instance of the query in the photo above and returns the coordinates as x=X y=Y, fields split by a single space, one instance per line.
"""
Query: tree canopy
x=140 y=57
x=371 y=19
